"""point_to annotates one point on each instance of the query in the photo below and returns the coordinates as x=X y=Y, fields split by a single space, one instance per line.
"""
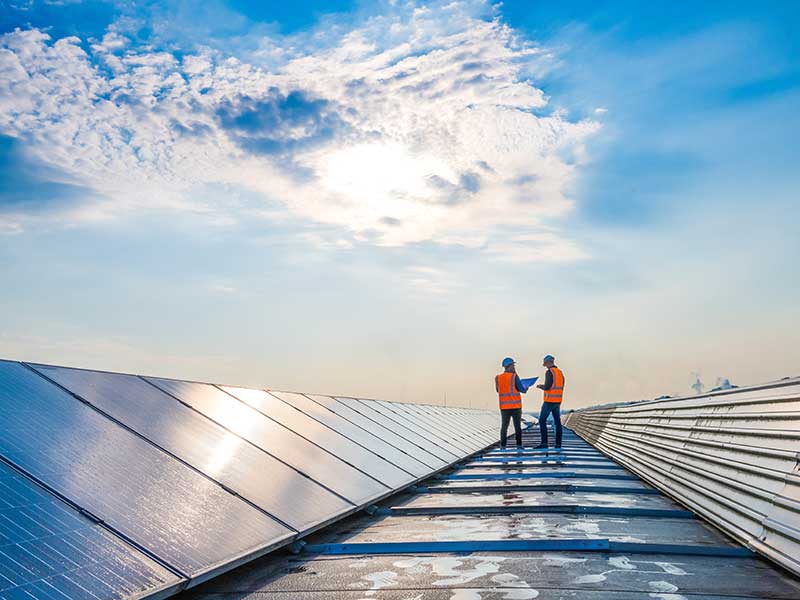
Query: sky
x=385 y=199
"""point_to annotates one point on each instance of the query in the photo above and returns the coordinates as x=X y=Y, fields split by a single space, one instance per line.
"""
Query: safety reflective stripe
x=508 y=395
x=556 y=392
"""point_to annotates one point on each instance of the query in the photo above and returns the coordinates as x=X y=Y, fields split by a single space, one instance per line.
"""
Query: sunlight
x=222 y=454
x=384 y=179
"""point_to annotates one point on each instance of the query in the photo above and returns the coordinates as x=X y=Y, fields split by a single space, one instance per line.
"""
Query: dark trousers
x=506 y=415
x=550 y=408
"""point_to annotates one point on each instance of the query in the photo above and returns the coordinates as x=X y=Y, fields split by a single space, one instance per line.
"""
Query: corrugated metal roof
x=732 y=456
x=516 y=526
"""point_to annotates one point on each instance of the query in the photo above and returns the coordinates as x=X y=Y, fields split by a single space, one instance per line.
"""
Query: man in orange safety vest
x=509 y=387
x=553 y=387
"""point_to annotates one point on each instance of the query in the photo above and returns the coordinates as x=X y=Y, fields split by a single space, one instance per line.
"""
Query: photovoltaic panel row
x=448 y=426
x=436 y=427
x=323 y=436
x=448 y=423
x=419 y=431
x=187 y=520
x=479 y=428
x=472 y=430
x=453 y=428
x=480 y=419
x=49 y=550
x=475 y=430
x=407 y=415
x=445 y=457
x=484 y=429
x=205 y=477
x=448 y=430
x=246 y=422
x=221 y=455
x=454 y=423
x=419 y=453
x=361 y=436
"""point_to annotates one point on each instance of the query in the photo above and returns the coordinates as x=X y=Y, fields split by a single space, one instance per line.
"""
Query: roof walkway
x=515 y=525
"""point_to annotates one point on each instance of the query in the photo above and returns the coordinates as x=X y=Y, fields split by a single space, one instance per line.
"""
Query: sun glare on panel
x=222 y=454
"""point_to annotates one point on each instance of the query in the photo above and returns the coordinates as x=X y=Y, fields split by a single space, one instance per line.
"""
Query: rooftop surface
x=516 y=525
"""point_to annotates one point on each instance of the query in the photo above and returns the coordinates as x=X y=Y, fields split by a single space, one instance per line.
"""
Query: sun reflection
x=222 y=454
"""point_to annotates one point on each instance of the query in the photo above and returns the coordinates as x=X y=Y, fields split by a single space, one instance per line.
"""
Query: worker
x=509 y=388
x=553 y=387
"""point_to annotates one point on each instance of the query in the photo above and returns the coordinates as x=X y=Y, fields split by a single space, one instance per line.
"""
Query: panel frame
x=336 y=402
x=396 y=417
x=158 y=593
x=405 y=423
x=356 y=503
x=408 y=478
x=370 y=413
x=428 y=424
x=200 y=575
x=225 y=486
x=361 y=431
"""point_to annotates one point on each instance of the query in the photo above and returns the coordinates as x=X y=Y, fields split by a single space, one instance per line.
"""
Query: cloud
x=415 y=125
x=32 y=191
x=280 y=123
x=26 y=185
x=430 y=281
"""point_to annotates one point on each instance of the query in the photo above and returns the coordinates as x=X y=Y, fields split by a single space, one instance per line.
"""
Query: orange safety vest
x=507 y=391
x=555 y=393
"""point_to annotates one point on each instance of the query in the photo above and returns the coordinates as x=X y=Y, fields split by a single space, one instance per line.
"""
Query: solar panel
x=357 y=434
x=346 y=449
x=49 y=550
x=211 y=449
x=288 y=446
x=455 y=423
x=483 y=425
x=480 y=429
x=473 y=426
x=185 y=519
x=435 y=427
x=372 y=426
x=366 y=409
x=409 y=430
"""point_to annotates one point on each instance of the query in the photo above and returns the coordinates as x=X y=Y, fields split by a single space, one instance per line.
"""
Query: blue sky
x=385 y=199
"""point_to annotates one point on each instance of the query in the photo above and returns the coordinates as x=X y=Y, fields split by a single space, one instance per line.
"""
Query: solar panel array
x=122 y=486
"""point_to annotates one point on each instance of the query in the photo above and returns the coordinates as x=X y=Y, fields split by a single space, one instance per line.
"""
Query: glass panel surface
x=482 y=424
x=180 y=516
x=449 y=439
x=366 y=408
x=325 y=437
x=49 y=550
x=422 y=434
x=273 y=405
x=451 y=428
x=343 y=410
x=211 y=449
x=248 y=423
x=473 y=428
x=355 y=433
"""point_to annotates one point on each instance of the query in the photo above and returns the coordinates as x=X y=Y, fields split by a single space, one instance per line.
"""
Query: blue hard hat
x=507 y=361
x=549 y=357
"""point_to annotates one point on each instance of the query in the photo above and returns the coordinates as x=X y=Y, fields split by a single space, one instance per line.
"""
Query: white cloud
x=415 y=126
x=425 y=280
